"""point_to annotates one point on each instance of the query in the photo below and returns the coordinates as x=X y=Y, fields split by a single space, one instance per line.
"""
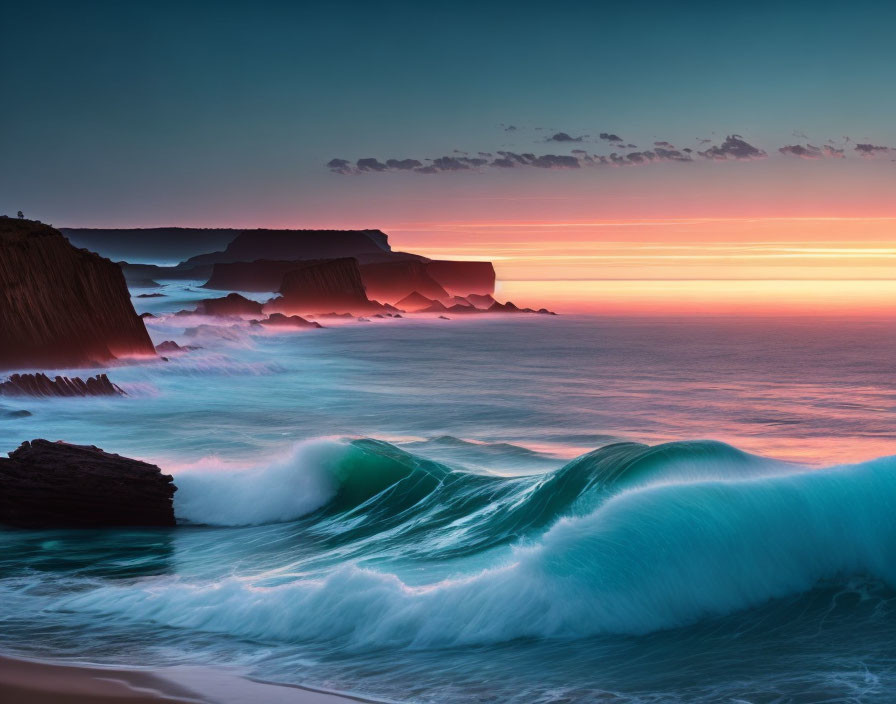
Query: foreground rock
x=53 y=484
x=42 y=385
x=61 y=306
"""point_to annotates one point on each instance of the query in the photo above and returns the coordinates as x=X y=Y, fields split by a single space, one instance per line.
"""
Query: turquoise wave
x=627 y=539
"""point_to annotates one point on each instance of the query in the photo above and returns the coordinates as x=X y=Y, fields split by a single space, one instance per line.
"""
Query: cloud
x=610 y=137
x=871 y=150
x=564 y=137
x=370 y=165
x=734 y=147
x=403 y=164
x=809 y=151
x=510 y=128
x=340 y=166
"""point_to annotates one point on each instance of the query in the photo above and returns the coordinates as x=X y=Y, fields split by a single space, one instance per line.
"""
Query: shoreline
x=35 y=681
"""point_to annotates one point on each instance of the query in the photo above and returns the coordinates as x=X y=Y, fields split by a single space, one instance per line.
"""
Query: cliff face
x=260 y=275
x=333 y=285
x=290 y=245
x=53 y=484
x=61 y=306
x=462 y=278
x=392 y=281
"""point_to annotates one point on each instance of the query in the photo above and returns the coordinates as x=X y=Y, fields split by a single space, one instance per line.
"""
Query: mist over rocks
x=61 y=306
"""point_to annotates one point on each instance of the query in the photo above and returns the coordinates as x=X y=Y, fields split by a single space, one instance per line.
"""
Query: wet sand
x=37 y=682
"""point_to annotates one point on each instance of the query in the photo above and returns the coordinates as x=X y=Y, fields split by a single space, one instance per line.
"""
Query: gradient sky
x=227 y=114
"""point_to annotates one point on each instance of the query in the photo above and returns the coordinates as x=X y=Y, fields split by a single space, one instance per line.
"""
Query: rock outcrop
x=332 y=285
x=414 y=302
x=231 y=304
x=278 y=320
x=484 y=301
x=54 y=484
x=171 y=347
x=61 y=306
x=42 y=385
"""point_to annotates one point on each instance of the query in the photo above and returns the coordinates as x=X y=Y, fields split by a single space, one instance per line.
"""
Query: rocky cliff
x=333 y=285
x=53 y=484
x=290 y=245
x=61 y=306
x=260 y=275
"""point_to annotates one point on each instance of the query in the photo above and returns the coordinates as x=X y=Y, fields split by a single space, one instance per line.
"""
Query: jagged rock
x=54 y=484
x=434 y=307
x=413 y=302
x=151 y=295
x=170 y=346
x=61 y=306
x=42 y=385
x=483 y=302
x=287 y=321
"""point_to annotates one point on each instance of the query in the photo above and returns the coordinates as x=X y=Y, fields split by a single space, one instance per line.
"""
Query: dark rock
x=413 y=302
x=291 y=245
x=483 y=302
x=42 y=385
x=147 y=315
x=287 y=321
x=231 y=304
x=151 y=295
x=169 y=346
x=332 y=284
x=22 y=413
x=54 y=484
x=61 y=306
x=444 y=317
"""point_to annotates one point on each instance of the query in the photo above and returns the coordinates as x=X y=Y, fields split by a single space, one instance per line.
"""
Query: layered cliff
x=290 y=245
x=61 y=306
x=332 y=285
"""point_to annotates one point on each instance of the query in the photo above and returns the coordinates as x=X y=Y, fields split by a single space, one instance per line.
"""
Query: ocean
x=493 y=509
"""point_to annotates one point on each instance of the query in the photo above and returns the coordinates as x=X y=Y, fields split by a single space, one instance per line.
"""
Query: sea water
x=495 y=509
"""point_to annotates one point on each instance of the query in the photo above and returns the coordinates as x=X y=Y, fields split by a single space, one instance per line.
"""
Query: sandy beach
x=38 y=682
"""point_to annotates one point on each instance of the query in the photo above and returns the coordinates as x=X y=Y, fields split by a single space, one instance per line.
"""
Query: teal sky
x=228 y=113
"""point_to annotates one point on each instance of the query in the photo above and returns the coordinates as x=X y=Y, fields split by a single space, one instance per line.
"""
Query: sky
x=568 y=141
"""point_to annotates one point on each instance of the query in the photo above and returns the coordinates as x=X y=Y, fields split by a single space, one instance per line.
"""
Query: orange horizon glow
x=761 y=266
